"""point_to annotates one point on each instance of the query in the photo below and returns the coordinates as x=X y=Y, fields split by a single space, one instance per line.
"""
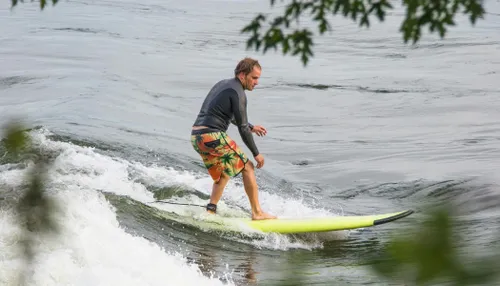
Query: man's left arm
x=257 y=129
x=233 y=121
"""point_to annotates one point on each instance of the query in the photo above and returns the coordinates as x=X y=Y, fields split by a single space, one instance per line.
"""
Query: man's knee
x=224 y=177
x=249 y=166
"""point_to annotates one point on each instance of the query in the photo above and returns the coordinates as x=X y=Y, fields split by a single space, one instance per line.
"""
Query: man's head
x=248 y=72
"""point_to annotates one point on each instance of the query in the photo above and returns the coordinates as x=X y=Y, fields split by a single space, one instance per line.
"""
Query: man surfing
x=226 y=103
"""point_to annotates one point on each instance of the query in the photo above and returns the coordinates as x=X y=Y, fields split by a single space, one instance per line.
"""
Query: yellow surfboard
x=285 y=225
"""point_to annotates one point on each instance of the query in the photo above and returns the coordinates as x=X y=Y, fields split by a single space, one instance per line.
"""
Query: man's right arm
x=239 y=108
x=233 y=121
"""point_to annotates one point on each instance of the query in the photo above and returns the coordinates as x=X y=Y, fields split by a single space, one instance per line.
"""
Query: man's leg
x=218 y=189
x=253 y=193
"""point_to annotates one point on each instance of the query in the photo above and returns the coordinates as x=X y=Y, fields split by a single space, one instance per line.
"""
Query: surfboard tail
x=392 y=218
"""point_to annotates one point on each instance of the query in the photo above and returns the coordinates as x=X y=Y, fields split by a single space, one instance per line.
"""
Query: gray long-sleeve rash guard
x=227 y=103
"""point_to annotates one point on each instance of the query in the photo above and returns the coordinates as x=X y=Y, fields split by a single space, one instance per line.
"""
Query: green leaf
x=15 y=137
x=364 y=21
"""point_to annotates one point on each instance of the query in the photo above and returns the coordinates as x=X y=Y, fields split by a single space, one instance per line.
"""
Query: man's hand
x=260 y=161
x=259 y=130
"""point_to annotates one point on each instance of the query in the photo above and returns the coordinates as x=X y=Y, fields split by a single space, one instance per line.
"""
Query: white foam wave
x=82 y=166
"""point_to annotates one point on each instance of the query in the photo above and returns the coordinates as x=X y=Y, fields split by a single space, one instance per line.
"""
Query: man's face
x=251 y=79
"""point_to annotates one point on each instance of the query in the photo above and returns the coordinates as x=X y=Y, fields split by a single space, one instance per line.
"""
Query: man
x=227 y=103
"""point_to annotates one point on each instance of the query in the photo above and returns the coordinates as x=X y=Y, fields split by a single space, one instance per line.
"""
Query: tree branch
x=436 y=14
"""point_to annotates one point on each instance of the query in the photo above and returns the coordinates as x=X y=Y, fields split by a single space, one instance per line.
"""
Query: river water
x=371 y=125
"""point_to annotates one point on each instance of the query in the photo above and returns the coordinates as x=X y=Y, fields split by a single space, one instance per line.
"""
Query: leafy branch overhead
x=436 y=14
x=43 y=3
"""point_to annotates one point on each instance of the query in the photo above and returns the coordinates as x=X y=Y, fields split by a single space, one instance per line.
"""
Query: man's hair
x=246 y=66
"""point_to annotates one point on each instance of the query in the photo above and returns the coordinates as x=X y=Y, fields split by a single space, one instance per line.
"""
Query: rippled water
x=369 y=126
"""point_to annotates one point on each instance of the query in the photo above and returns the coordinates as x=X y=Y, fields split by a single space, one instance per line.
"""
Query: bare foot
x=210 y=212
x=263 y=215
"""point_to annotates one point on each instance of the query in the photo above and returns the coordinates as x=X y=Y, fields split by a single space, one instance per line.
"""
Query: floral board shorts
x=219 y=153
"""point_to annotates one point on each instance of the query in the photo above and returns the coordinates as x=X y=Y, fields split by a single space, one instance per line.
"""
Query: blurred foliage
x=35 y=211
x=429 y=254
x=436 y=14
x=43 y=3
